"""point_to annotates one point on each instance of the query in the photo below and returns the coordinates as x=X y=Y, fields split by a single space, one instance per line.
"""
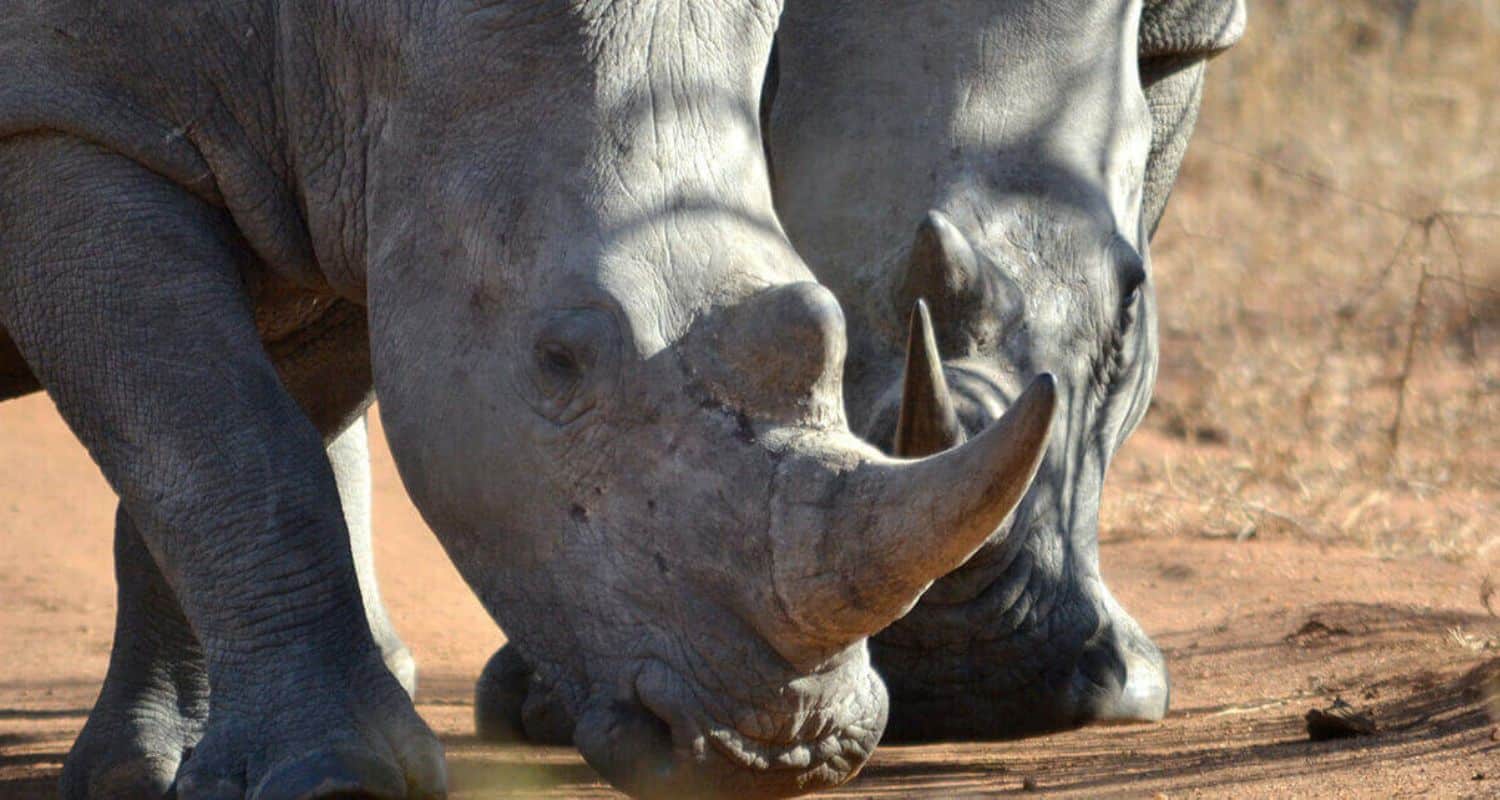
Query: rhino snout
x=661 y=743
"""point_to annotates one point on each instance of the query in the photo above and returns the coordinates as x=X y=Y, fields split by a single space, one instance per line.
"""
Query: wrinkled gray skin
x=543 y=232
x=1006 y=161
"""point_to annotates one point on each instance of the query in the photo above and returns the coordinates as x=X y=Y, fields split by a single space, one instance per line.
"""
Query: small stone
x=1479 y=776
x=1339 y=721
x=1028 y=784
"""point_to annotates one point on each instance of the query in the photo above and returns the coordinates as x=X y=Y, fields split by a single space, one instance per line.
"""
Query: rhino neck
x=521 y=156
x=336 y=69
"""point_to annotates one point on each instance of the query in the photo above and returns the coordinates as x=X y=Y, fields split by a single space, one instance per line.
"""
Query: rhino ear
x=1177 y=37
x=1190 y=30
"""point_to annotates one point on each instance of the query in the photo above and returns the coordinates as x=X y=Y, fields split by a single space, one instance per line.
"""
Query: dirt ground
x=1308 y=512
x=1256 y=633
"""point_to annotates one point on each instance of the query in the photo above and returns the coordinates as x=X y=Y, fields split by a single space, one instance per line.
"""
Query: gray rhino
x=991 y=172
x=543 y=233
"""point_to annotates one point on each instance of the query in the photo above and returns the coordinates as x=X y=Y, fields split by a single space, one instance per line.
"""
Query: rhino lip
x=823 y=744
x=818 y=742
x=662 y=742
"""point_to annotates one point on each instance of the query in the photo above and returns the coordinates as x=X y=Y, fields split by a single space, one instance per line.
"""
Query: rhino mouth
x=671 y=738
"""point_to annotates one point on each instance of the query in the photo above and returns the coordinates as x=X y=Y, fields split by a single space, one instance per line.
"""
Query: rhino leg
x=154 y=702
x=127 y=295
x=322 y=353
x=512 y=704
x=349 y=453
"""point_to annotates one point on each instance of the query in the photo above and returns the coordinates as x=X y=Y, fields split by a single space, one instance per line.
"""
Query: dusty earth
x=1256 y=632
x=1308 y=513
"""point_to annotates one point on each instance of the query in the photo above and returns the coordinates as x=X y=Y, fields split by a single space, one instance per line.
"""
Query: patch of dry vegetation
x=1329 y=283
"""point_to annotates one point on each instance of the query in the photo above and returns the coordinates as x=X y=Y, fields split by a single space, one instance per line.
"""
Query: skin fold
x=543 y=233
x=1004 y=161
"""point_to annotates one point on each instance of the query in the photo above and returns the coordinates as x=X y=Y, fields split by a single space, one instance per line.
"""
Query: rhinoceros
x=543 y=234
x=977 y=182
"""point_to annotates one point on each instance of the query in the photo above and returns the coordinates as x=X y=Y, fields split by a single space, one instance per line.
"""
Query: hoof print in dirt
x=1339 y=721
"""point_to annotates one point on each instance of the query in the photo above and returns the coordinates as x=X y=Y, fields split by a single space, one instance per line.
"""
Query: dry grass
x=1329 y=275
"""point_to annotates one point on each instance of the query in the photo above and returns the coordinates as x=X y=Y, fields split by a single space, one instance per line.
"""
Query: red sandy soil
x=1256 y=634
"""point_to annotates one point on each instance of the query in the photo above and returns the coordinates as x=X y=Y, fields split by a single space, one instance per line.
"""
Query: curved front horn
x=859 y=542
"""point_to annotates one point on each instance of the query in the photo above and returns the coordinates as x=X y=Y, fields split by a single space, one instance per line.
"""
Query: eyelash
x=1111 y=364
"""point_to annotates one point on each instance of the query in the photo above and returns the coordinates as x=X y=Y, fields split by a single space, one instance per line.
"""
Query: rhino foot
x=154 y=702
x=511 y=704
x=357 y=736
x=130 y=752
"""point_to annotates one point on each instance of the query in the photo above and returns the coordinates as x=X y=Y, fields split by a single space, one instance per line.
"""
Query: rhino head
x=614 y=392
x=977 y=180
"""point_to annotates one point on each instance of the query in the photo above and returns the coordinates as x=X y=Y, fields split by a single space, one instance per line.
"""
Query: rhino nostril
x=1102 y=667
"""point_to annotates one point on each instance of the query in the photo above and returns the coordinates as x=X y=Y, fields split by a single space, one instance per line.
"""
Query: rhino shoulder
x=65 y=76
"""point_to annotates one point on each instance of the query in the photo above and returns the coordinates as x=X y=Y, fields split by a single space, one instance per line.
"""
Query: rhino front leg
x=154 y=702
x=325 y=365
x=349 y=453
x=126 y=296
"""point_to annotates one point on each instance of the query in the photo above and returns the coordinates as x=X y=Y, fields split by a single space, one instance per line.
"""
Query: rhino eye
x=558 y=361
x=569 y=356
x=1131 y=269
x=561 y=366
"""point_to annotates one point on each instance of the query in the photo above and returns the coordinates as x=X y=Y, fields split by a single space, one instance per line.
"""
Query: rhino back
x=187 y=89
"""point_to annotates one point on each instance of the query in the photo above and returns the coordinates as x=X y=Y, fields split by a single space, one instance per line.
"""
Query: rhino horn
x=779 y=355
x=943 y=508
x=941 y=265
x=890 y=527
x=928 y=423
